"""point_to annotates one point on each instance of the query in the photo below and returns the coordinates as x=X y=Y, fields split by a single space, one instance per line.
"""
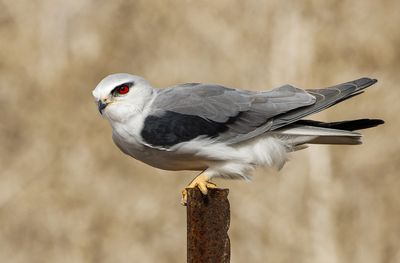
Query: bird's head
x=119 y=96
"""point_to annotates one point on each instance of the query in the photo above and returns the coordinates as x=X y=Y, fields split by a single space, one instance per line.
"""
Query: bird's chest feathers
x=128 y=132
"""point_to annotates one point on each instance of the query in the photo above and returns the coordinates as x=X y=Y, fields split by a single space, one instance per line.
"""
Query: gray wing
x=245 y=114
x=230 y=115
x=325 y=98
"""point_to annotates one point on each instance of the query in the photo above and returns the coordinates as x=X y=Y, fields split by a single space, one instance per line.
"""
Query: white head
x=120 y=96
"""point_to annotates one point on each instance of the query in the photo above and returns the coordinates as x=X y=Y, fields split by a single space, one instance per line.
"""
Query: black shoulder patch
x=172 y=128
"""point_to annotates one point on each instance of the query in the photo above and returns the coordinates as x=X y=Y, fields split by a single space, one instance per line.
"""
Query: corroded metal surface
x=208 y=219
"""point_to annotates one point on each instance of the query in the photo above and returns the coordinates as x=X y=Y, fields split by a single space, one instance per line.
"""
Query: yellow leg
x=202 y=182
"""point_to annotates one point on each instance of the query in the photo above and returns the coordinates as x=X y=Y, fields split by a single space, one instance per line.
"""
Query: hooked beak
x=101 y=106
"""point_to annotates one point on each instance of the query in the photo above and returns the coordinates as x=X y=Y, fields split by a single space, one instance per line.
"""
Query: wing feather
x=234 y=115
x=242 y=112
x=325 y=98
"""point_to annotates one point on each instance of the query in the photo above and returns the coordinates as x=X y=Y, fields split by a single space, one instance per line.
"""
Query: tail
x=325 y=98
x=316 y=132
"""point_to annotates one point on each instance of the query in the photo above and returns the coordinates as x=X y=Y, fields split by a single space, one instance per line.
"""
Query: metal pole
x=208 y=219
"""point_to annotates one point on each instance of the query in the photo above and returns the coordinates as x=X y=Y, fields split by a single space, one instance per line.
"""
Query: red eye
x=123 y=89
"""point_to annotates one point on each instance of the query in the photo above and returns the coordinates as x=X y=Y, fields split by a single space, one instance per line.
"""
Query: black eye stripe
x=129 y=84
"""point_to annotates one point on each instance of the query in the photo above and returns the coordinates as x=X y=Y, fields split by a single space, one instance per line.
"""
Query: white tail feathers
x=299 y=134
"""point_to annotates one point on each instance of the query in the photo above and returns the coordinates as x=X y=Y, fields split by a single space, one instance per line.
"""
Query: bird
x=220 y=131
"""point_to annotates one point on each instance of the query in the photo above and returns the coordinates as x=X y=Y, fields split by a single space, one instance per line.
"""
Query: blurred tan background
x=67 y=194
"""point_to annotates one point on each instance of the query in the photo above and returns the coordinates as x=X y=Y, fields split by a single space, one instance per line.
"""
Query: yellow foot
x=201 y=182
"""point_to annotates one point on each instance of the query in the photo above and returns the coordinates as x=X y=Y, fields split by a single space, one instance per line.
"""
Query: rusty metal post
x=208 y=219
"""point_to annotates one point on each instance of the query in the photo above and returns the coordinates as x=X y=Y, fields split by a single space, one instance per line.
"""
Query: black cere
x=172 y=128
